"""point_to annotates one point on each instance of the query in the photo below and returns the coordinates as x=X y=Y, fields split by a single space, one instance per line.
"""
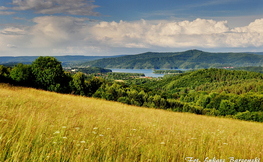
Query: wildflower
x=54 y=142
x=134 y=129
x=224 y=143
x=64 y=137
x=95 y=128
x=86 y=149
x=64 y=127
x=77 y=128
x=94 y=132
x=101 y=135
x=57 y=132
x=82 y=142
x=162 y=143
x=108 y=128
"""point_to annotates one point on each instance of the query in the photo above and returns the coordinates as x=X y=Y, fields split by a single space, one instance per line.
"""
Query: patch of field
x=36 y=125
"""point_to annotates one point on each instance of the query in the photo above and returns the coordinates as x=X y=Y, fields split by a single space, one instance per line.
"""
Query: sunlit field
x=36 y=125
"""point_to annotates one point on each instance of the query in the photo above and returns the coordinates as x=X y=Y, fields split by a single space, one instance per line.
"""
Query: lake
x=146 y=72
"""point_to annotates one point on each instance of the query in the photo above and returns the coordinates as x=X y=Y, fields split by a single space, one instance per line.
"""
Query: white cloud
x=52 y=35
x=6 y=13
x=73 y=7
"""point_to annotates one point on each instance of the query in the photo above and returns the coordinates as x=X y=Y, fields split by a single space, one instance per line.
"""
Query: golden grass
x=37 y=125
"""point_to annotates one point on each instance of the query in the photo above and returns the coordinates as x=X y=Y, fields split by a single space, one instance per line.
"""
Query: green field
x=38 y=125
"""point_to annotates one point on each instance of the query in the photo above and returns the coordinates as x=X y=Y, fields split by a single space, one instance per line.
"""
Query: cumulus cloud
x=197 y=33
x=73 y=7
x=71 y=35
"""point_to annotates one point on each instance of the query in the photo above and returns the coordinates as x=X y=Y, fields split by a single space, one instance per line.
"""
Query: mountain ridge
x=191 y=59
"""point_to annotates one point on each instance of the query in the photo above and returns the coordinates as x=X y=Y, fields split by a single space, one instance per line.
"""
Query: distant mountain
x=191 y=59
x=66 y=60
x=257 y=53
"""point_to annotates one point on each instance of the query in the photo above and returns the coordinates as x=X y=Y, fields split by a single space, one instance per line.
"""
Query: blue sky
x=104 y=27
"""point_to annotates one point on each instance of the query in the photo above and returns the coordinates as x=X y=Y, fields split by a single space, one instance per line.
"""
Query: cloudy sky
x=114 y=27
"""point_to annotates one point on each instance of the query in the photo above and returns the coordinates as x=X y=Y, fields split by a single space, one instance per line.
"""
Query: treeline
x=123 y=76
x=91 y=70
x=47 y=73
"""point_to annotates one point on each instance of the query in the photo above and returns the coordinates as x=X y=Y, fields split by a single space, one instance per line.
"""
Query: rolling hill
x=38 y=125
x=178 y=60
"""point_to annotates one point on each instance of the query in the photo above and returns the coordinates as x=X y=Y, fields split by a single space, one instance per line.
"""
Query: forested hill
x=182 y=60
x=66 y=60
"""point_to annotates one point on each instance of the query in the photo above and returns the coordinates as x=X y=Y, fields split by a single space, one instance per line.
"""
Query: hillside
x=182 y=60
x=66 y=60
x=43 y=126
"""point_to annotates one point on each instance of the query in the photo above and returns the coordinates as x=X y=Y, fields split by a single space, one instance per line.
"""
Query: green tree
x=78 y=84
x=227 y=108
x=22 y=75
x=49 y=74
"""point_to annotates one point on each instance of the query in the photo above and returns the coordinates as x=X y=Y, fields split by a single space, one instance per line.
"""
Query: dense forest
x=192 y=59
x=90 y=70
x=217 y=92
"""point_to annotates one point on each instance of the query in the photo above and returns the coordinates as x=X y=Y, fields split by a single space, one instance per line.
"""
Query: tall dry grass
x=37 y=125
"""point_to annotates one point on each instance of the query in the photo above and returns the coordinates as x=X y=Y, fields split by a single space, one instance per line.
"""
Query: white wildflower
x=162 y=143
x=82 y=141
x=64 y=127
x=57 y=132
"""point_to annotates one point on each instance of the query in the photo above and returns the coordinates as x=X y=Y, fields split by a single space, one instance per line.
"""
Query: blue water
x=146 y=72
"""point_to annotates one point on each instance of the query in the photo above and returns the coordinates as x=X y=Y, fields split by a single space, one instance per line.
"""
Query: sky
x=120 y=27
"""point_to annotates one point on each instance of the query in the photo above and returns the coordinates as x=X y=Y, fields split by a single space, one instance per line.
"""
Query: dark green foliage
x=22 y=75
x=90 y=70
x=49 y=74
x=123 y=76
x=227 y=108
x=4 y=74
x=78 y=84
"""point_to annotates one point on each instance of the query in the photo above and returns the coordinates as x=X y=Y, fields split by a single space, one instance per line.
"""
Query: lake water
x=146 y=72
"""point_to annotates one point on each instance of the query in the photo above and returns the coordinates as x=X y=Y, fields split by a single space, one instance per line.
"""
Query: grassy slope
x=40 y=126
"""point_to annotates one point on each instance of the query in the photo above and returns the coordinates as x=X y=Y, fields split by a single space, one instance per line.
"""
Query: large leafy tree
x=22 y=75
x=49 y=74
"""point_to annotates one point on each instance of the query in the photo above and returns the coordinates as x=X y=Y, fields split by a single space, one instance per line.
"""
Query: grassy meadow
x=36 y=125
